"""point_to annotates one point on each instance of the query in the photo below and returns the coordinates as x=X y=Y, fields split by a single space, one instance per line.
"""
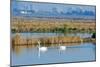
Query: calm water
x=22 y=55
x=38 y=35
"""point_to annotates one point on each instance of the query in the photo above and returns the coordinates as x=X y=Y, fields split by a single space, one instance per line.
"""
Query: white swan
x=62 y=47
x=43 y=49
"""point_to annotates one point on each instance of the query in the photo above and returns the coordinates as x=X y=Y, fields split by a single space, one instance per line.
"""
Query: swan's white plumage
x=62 y=47
x=43 y=49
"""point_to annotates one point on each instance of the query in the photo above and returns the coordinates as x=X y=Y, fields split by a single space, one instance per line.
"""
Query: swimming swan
x=42 y=48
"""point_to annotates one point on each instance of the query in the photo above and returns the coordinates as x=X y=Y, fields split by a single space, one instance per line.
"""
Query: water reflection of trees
x=19 y=49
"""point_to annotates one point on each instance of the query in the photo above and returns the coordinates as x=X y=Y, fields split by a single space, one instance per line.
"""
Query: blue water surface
x=80 y=52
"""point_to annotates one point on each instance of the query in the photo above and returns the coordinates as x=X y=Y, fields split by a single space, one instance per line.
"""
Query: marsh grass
x=48 y=41
x=53 y=26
